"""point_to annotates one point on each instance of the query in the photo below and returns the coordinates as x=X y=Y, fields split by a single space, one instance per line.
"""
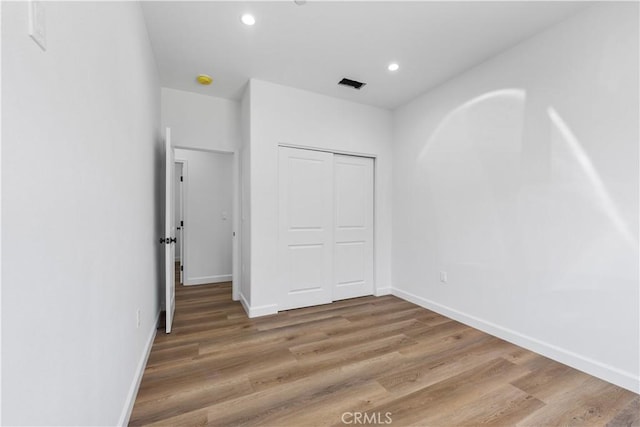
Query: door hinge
x=181 y=268
x=181 y=223
x=181 y=179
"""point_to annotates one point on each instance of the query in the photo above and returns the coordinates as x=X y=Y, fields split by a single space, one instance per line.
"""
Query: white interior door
x=306 y=227
x=169 y=233
x=353 y=232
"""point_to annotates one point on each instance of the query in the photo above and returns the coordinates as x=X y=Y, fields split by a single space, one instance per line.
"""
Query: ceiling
x=315 y=45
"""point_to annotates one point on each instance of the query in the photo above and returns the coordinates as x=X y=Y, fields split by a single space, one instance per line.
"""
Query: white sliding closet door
x=326 y=227
x=306 y=228
x=353 y=230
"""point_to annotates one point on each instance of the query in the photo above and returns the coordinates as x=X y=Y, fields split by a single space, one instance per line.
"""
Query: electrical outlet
x=443 y=276
x=138 y=318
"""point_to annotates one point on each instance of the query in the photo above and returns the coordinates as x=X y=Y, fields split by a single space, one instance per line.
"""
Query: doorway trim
x=183 y=215
x=331 y=150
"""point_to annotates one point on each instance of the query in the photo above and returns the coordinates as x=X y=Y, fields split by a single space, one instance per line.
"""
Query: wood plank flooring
x=372 y=360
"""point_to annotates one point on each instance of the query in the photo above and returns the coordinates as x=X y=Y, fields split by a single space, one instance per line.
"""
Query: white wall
x=207 y=190
x=200 y=121
x=1 y=275
x=519 y=178
x=81 y=151
x=244 y=291
x=283 y=115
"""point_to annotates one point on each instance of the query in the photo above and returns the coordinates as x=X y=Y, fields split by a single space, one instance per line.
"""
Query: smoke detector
x=204 y=79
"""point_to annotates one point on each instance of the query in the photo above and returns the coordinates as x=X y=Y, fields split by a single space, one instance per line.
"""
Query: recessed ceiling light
x=393 y=67
x=248 y=19
x=204 y=79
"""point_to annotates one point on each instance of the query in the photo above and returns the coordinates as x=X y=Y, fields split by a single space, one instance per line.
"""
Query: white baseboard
x=257 y=311
x=383 y=291
x=244 y=303
x=135 y=383
x=592 y=367
x=205 y=280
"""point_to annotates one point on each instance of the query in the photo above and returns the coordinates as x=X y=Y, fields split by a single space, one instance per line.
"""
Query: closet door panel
x=353 y=230
x=306 y=228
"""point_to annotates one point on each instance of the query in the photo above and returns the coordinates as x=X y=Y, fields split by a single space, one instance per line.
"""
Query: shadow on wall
x=512 y=190
x=572 y=167
x=590 y=223
x=470 y=171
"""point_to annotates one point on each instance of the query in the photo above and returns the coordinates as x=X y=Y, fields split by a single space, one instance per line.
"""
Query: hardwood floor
x=361 y=361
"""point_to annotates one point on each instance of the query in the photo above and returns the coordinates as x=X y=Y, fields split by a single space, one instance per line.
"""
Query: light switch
x=36 y=23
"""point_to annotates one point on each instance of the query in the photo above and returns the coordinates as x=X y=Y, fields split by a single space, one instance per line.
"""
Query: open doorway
x=201 y=210
x=204 y=216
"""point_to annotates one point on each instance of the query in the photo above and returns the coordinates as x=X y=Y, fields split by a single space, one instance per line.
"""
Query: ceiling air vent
x=351 y=83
